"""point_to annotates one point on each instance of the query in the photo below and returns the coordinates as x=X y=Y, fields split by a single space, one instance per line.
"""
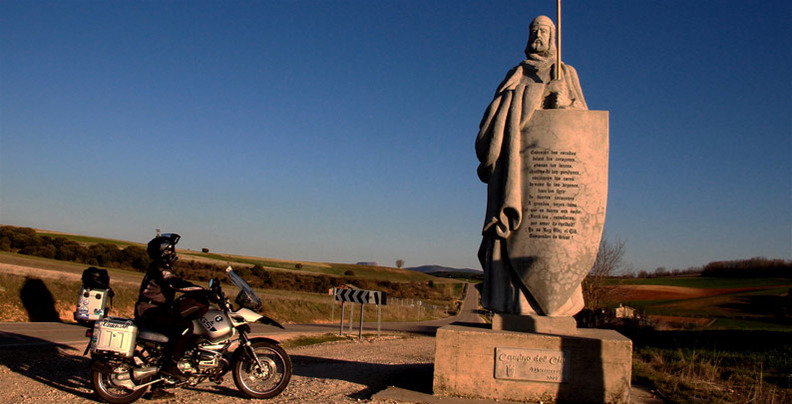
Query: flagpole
x=559 y=74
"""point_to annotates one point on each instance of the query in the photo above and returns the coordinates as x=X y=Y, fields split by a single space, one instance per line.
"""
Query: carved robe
x=523 y=91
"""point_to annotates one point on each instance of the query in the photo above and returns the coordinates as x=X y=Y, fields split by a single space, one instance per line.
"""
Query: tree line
x=757 y=267
x=26 y=241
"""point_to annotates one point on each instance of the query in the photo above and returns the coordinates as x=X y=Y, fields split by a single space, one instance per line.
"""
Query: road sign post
x=360 y=330
x=341 y=331
x=363 y=297
x=351 y=315
x=331 y=292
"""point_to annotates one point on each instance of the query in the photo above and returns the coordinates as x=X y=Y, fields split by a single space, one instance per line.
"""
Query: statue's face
x=540 y=38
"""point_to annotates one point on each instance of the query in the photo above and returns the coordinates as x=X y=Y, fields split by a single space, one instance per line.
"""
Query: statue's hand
x=559 y=94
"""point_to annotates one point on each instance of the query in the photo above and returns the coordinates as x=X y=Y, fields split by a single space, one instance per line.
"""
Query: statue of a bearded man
x=532 y=85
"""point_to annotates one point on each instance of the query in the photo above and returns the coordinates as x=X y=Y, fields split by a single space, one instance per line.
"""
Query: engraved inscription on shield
x=564 y=177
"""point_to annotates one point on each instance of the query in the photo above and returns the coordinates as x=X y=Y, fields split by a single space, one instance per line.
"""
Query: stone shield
x=564 y=177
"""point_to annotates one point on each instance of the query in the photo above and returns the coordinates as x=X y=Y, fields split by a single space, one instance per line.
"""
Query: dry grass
x=285 y=307
x=760 y=372
x=62 y=280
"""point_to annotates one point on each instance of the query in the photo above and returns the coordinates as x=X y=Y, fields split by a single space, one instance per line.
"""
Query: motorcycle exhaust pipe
x=144 y=385
x=141 y=373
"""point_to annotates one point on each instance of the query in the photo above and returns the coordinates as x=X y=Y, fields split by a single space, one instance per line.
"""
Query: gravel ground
x=335 y=372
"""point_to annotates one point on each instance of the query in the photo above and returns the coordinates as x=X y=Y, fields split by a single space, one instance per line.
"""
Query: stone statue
x=527 y=202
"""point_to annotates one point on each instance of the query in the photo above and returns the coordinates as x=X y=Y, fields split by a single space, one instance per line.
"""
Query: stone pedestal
x=586 y=366
x=534 y=324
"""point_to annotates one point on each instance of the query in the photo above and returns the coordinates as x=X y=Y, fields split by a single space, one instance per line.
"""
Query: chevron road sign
x=352 y=295
x=360 y=296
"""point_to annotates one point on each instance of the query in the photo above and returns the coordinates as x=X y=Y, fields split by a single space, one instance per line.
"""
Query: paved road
x=14 y=335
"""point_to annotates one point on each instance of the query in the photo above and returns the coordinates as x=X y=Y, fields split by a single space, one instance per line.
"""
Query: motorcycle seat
x=152 y=335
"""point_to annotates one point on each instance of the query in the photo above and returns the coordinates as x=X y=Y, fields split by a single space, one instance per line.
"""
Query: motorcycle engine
x=202 y=359
x=186 y=365
x=208 y=360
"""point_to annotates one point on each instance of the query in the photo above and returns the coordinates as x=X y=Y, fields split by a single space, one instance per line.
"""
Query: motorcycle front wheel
x=115 y=387
x=267 y=380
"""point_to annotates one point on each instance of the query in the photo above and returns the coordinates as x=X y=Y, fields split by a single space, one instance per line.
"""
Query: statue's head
x=542 y=38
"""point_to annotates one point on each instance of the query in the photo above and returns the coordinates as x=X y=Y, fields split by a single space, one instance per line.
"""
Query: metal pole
x=360 y=330
x=559 y=74
x=332 y=310
x=351 y=315
x=379 y=318
x=341 y=332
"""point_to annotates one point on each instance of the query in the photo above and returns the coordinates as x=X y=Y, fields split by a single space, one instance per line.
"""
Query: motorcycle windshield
x=246 y=297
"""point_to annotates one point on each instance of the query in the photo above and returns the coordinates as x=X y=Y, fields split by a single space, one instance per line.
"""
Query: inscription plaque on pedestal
x=540 y=365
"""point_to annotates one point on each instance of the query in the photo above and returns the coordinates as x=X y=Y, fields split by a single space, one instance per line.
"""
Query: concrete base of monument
x=535 y=324
x=586 y=366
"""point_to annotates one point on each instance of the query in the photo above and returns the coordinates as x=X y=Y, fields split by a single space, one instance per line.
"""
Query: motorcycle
x=126 y=359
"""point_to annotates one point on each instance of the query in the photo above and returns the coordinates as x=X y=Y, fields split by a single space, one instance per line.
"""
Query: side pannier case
x=114 y=336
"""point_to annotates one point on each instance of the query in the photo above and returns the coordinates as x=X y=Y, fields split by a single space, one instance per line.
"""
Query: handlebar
x=217 y=291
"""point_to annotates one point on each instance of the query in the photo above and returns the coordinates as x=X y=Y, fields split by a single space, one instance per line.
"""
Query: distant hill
x=428 y=269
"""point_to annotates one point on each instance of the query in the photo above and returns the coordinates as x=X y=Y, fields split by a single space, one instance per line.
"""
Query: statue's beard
x=539 y=53
x=540 y=48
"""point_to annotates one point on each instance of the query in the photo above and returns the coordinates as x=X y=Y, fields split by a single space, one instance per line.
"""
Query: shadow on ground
x=55 y=365
x=764 y=305
x=375 y=376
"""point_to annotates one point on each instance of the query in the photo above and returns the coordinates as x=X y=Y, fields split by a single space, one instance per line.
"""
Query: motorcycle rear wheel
x=267 y=381
x=107 y=386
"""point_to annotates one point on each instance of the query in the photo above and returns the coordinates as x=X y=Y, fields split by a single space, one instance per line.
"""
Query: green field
x=360 y=271
x=742 y=303
x=710 y=340
x=88 y=240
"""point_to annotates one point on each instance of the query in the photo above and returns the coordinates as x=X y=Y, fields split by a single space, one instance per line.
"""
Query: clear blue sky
x=343 y=131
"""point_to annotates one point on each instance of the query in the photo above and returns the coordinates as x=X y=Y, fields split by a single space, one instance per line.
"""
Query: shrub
x=258 y=270
x=244 y=271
